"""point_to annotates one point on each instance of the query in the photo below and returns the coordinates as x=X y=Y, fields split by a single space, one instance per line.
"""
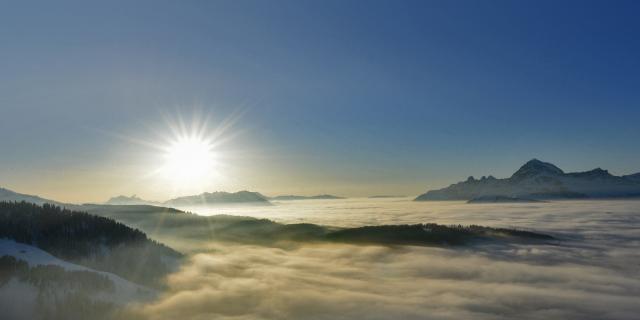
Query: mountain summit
x=541 y=180
x=536 y=167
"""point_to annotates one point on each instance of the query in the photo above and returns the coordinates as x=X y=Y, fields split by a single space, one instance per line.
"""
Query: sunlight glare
x=189 y=161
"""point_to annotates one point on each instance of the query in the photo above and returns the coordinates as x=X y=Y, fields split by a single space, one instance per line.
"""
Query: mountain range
x=215 y=198
x=219 y=197
x=132 y=200
x=206 y=198
x=541 y=180
x=316 y=197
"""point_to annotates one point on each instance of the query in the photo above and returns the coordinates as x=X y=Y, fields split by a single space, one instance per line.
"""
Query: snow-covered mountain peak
x=536 y=167
x=542 y=180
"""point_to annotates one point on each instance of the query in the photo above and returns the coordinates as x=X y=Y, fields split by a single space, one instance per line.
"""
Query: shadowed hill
x=430 y=234
x=92 y=241
x=187 y=231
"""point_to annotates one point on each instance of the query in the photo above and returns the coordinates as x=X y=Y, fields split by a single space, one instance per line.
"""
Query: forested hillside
x=96 y=242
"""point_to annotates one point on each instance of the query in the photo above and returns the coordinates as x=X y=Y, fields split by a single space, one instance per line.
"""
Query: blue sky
x=347 y=97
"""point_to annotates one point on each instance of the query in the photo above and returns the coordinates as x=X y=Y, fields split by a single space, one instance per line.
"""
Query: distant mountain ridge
x=541 y=180
x=296 y=197
x=8 y=195
x=220 y=197
x=132 y=200
x=206 y=198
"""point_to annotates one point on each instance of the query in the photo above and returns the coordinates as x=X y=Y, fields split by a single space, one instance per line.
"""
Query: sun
x=189 y=161
x=192 y=154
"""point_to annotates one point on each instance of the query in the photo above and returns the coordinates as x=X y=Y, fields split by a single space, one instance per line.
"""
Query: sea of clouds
x=591 y=272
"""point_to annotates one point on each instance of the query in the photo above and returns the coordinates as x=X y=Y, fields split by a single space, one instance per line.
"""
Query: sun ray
x=191 y=158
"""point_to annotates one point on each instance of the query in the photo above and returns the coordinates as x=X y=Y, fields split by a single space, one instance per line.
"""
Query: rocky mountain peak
x=536 y=167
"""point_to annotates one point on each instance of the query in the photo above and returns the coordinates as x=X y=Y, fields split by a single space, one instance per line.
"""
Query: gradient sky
x=346 y=97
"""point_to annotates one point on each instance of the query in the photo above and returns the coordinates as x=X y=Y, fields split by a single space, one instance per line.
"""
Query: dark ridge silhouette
x=174 y=228
x=92 y=241
x=430 y=234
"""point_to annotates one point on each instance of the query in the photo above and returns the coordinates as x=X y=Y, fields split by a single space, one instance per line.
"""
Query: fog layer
x=356 y=282
x=592 y=273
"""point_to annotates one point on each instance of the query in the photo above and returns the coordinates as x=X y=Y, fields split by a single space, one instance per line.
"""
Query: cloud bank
x=369 y=282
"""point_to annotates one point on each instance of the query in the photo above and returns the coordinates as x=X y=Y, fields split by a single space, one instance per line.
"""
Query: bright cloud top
x=348 y=282
x=590 y=274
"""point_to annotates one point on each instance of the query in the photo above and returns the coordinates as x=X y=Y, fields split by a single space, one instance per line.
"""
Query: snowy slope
x=125 y=291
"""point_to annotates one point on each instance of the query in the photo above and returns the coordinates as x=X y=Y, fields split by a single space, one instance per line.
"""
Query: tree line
x=96 y=242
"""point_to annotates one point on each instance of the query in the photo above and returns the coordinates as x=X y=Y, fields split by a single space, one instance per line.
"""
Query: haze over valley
x=319 y=160
x=585 y=246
